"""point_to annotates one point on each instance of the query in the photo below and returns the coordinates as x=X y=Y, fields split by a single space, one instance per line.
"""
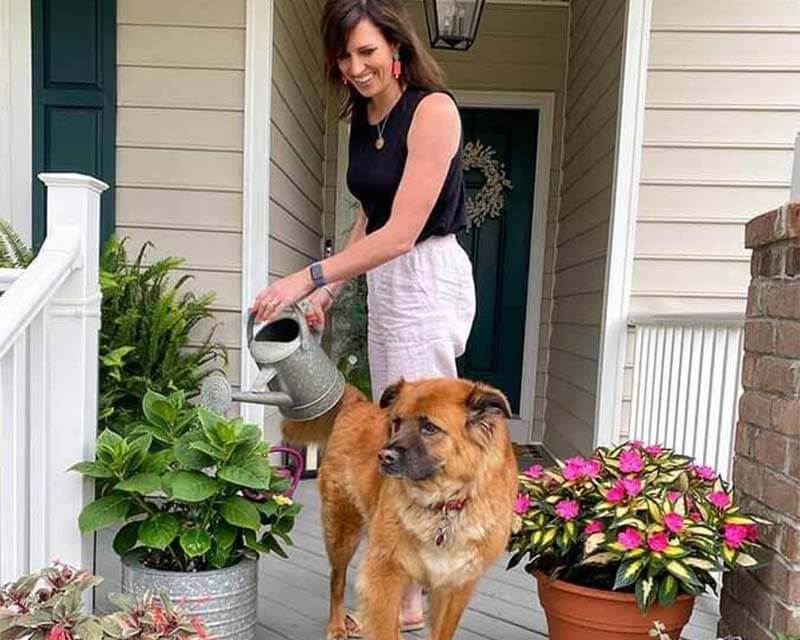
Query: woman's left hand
x=282 y=293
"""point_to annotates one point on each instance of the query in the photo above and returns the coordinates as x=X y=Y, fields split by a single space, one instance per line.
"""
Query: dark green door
x=74 y=97
x=500 y=250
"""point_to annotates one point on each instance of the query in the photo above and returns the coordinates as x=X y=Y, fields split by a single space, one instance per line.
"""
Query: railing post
x=68 y=379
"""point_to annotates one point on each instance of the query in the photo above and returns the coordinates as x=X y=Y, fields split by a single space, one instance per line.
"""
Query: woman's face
x=367 y=61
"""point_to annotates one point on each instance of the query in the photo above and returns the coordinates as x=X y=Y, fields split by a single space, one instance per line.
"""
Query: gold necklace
x=380 y=142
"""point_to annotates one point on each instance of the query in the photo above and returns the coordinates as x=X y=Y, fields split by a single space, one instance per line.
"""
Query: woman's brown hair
x=419 y=69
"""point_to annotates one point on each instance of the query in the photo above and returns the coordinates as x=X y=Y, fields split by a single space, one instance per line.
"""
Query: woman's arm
x=357 y=232
x=433 y=140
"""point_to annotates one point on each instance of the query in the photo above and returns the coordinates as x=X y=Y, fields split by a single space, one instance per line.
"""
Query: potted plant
x=199 y=501
x=625 y=537
x=49 y=604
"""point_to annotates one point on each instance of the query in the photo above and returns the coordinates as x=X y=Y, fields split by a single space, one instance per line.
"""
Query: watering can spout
x=274 y=398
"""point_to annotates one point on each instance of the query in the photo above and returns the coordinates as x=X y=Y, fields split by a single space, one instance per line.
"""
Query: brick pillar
x=766 y=468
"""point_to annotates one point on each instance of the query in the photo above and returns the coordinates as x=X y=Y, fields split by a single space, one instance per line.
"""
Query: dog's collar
x=449 y=505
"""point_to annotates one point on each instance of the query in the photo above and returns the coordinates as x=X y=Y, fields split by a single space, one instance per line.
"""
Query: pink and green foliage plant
x=49 y=605
x=632 y=518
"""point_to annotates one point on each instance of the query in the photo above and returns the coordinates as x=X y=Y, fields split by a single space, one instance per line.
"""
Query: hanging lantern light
x=453 y=24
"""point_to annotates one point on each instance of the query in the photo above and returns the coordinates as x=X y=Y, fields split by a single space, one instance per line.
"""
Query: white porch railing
x=686 y=385
x=49 y=323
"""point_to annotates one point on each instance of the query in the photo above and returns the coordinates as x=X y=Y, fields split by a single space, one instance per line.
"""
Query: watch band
x=317 y=276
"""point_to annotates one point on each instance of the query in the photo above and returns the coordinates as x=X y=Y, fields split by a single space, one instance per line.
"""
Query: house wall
x=722 y=108
x=179 y=142
x=593 y=78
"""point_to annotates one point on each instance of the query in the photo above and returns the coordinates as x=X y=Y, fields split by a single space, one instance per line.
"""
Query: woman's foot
x=412 y=617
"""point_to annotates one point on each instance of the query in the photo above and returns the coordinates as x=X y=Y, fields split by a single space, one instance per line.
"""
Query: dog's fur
x=385 y=469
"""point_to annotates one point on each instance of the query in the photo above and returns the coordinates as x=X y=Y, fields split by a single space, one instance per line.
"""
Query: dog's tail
x=318 y=430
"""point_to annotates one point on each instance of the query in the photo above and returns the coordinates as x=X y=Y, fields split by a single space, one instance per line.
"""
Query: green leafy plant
x=194 y=489
x=350 y=332
x=632 y=518
x=14 y=254
x=145 y=337
x=48 y=605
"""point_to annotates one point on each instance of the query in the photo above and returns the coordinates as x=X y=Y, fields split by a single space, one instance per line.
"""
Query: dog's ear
x=485 y=403
x=390 y=394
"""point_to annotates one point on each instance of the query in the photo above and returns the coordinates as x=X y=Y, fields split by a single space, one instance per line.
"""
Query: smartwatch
x=316 y=275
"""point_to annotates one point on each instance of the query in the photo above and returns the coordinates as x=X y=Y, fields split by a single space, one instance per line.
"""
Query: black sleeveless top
x=373 y=176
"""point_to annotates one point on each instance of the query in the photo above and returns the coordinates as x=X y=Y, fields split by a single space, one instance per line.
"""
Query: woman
x=405 y=168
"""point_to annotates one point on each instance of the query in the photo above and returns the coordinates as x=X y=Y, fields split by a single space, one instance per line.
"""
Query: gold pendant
x=379 y=143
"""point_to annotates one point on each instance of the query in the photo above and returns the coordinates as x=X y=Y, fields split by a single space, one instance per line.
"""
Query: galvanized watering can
x=295 y=374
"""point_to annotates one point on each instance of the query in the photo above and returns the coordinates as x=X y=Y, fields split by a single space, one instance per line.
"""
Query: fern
x=147 y=322
x=13 y=252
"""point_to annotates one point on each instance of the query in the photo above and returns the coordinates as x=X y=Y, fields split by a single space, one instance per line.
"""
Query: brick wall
x=767 y=451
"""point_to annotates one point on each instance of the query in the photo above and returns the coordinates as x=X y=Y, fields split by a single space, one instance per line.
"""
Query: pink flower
x=630 y=461
x=695 y=516
x=657 y=542
x=673 y=496
x=752 y=532
x=673 y=521
x=595 y=526
x=616 y=493
x=720 y=499
x=522 y=504
x=735 y=535
x=592 y=467
x=567 y=509
x=654 y=450
x=637 y=444
x=633 y=486
x=534 y=472
x=705 y=473
x=630 y=538
x=59 y=632
x=574 y=468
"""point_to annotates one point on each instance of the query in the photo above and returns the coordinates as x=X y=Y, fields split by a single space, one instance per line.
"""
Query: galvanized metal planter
x=226 y=599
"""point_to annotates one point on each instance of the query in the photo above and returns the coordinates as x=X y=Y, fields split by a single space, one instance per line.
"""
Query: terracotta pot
x=579 y=613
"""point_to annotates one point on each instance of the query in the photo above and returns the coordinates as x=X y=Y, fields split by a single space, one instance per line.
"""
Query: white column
x=69 y=383
x=795 y=192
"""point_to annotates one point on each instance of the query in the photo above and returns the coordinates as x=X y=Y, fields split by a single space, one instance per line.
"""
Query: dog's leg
x=447 y=606
x=380 y=592
x=342 y=525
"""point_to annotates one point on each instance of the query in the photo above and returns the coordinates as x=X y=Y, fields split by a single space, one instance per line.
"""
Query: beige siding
x=179 y=143
x=722 y=109
x=590 y=122
x=297 y=163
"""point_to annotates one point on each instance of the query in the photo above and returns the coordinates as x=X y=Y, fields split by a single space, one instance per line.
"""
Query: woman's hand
x=282 y=293
x=321 y=300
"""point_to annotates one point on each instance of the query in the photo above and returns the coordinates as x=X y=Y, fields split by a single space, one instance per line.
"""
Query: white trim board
x=622 y=231
x=544 y=103
x=255 y=188
x=16 y=95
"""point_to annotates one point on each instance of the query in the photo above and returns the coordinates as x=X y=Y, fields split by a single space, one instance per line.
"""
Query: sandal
x=353 y=626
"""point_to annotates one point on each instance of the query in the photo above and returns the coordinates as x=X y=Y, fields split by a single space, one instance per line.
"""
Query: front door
x=500 y=250
x=74 y=97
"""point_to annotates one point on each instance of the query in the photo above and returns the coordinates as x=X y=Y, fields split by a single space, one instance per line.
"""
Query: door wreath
x=489 y=201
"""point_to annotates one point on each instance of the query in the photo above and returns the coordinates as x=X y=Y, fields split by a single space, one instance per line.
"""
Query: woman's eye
x=429 y=429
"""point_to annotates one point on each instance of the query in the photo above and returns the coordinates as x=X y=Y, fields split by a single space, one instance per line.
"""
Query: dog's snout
x=389 y=457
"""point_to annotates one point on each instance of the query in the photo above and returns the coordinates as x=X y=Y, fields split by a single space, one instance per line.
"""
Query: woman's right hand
x=320 y=301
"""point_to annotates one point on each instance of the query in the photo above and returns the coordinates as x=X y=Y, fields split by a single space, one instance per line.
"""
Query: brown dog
x=431 y=475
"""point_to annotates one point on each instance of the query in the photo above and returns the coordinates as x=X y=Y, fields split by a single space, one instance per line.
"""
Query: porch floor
x=293 y=593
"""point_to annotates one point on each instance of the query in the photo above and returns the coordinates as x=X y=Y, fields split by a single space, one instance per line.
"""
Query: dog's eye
x=396 y=425
x=429 y=429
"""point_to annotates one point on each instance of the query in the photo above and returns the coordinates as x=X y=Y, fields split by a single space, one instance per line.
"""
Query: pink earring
x=397 y=66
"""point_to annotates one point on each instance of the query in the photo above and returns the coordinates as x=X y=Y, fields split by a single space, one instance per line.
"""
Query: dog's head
x=443 y=427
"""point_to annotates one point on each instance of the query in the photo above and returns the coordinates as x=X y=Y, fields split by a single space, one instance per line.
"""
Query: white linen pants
x=420 y=311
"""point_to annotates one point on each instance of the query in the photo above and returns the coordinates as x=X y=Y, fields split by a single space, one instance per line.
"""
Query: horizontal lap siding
x=722 y=107
x=519 y=48
x=595 y=50
x=298 y=126
x=179 y=143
